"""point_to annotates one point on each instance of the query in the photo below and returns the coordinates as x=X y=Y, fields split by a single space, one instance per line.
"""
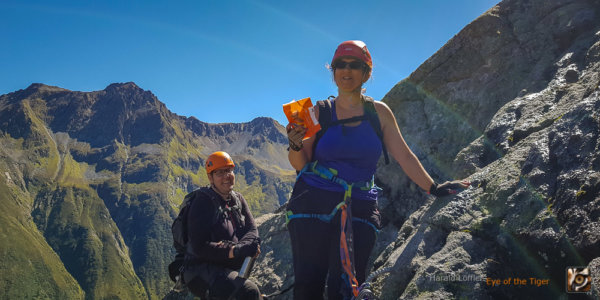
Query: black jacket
x=209 y=241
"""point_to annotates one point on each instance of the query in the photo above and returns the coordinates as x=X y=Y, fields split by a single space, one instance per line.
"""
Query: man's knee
x=239 y=288
x=198 y=287
x=249 y=291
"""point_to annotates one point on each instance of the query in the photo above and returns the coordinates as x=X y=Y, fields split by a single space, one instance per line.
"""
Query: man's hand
x=251 y=249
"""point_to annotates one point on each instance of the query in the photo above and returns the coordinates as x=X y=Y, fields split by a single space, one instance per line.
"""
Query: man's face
x=222 y=179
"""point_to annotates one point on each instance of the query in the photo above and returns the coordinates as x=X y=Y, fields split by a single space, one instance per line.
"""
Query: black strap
x=373 y=118
x=348 y=120
x=324 y=120
x=239 y=219
x=236 y=210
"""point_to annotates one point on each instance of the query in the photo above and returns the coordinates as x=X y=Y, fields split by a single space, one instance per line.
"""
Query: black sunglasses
x=354 y=65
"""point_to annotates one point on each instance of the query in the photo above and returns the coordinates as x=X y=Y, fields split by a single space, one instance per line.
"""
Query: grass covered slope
x=30 y=267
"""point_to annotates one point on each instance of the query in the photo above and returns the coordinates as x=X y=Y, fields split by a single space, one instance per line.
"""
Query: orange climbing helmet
x=218 y=160
x=357 y=49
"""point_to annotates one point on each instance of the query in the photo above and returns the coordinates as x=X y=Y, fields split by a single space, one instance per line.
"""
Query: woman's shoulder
x=385 y=114
x=379 y=104
x=382 y=108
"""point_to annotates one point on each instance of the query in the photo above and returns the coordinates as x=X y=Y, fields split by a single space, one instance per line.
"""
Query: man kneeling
x=221 y=233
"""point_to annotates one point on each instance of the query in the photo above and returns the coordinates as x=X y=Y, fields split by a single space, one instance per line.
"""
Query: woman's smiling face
x=349 y=74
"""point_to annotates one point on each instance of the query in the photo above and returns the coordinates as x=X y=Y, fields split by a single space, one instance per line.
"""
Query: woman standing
x=333 y=216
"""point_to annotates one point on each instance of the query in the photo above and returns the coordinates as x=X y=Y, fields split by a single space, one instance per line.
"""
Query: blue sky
x=220 y=61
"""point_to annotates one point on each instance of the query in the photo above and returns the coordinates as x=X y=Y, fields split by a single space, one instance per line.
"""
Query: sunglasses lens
x=339 y=64
x=355 y=64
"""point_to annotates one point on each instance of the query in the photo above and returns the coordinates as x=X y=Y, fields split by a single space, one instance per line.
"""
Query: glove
x=245 y=250
x=448 y=188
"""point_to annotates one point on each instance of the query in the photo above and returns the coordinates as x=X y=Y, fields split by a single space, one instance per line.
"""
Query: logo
x=579 y=280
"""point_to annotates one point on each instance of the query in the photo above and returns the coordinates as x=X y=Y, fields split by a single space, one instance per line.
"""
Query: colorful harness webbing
x=346 y=240
x=331 y=174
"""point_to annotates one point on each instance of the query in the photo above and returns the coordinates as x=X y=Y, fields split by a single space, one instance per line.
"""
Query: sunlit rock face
x=512 y=103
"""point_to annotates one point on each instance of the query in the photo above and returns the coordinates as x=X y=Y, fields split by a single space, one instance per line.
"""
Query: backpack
x=179 y=226
x=370 y=115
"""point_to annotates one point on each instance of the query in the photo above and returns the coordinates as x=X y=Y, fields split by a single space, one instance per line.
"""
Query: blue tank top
x=351 y=150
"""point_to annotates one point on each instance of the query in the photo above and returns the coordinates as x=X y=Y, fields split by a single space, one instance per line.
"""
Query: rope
x=365 y=288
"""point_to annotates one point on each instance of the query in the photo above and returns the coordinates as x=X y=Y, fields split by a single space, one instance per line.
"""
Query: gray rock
x=274 y=268
x=594 y=267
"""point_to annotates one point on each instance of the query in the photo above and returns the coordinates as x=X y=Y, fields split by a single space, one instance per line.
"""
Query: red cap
x=356 y=49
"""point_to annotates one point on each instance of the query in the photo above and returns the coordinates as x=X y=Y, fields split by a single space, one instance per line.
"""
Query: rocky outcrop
x=512 y=103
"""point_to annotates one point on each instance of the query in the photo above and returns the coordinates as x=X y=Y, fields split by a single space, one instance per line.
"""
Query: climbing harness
x=346 y=238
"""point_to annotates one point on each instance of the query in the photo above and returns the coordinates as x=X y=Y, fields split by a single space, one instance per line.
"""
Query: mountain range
x=91 y=182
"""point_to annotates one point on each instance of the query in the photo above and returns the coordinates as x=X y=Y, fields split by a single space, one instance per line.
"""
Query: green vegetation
x=581 y=192
x=254 y=195
x=30 y=267
x=41 y=145
x=78 y=227
x=72 y=173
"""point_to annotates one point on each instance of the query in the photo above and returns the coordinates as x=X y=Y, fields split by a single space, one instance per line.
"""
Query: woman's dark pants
x=316 y=244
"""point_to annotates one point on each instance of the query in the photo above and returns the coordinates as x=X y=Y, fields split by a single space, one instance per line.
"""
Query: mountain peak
x=131 y=93
x=123 y=85
x=264 y=121
x=40 y=87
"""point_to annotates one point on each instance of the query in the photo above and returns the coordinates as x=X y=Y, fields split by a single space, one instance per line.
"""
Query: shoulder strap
x=237 y=209
x=324 y=113
x=213 y=197
x=324 y=119
x=373 y=118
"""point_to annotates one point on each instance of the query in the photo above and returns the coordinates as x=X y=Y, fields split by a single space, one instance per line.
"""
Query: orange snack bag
x=306 y=113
